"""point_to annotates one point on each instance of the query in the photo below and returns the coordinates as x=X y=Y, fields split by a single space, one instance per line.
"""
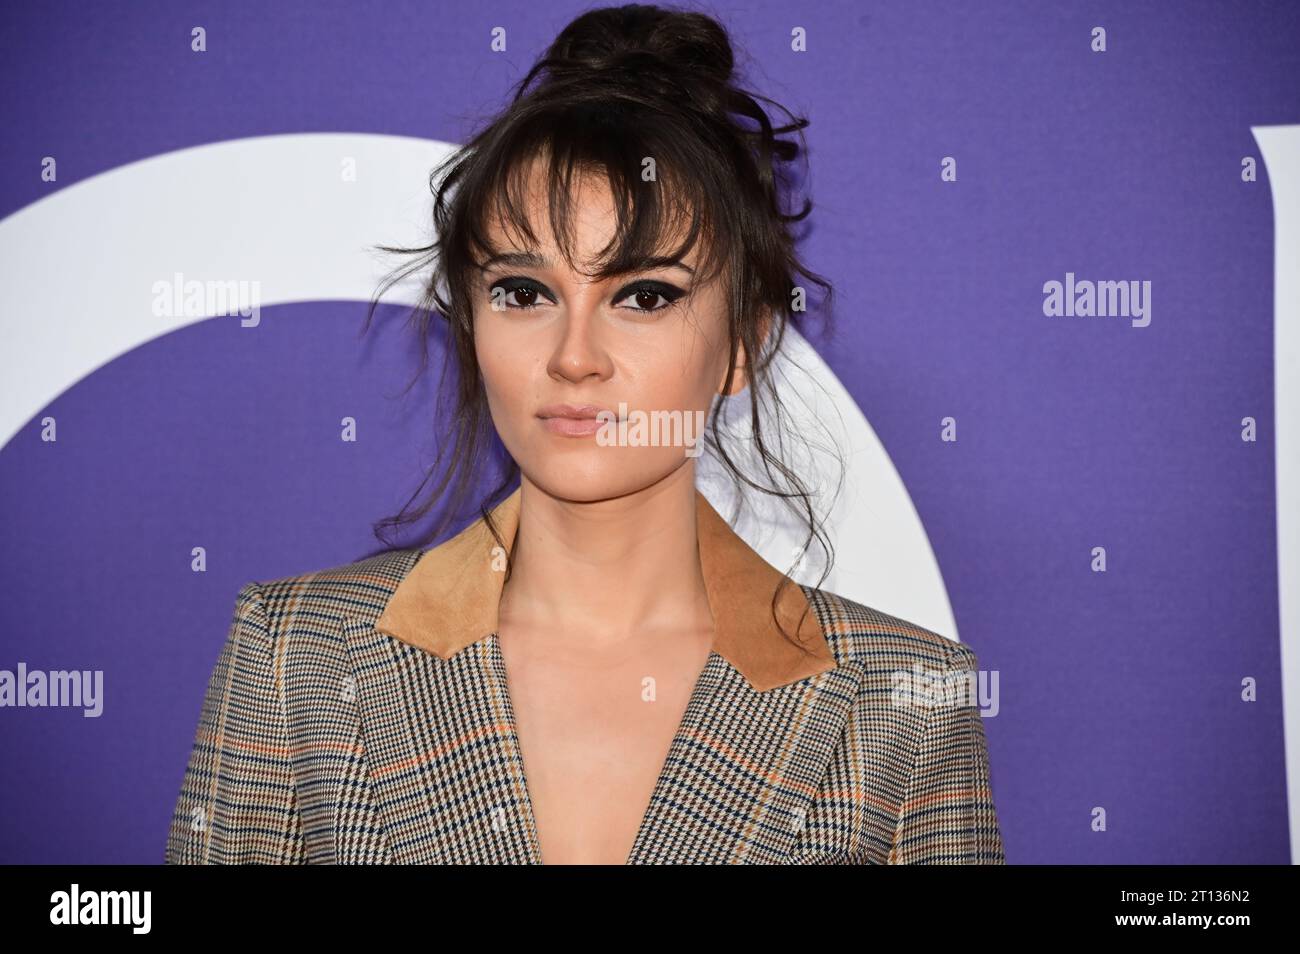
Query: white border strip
x=1280 y=147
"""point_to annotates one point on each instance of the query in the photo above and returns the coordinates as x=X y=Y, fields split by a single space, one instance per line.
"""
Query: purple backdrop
x=1121 y=689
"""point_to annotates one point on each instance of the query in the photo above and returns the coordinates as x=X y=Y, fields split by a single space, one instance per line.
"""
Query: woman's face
x=546 y=336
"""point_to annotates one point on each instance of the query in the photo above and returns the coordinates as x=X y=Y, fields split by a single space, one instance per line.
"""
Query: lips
x=573 y=420
x=576 y=412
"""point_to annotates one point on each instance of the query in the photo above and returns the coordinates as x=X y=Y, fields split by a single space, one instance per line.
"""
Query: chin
x=587 y=477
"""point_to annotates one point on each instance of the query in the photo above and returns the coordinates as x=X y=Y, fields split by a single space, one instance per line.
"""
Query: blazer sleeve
x=947 y=815
x=238 y=803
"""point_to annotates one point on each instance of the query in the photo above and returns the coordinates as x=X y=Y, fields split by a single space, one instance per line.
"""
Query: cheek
x=498 y=357
x=680 y=371
x=671 y=380
x=497 y=368
x=512 y=381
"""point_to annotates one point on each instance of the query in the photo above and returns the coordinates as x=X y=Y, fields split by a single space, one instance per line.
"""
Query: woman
x=613 y=264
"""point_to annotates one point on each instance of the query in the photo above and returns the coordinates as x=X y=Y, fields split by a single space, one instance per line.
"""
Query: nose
x=580 y=352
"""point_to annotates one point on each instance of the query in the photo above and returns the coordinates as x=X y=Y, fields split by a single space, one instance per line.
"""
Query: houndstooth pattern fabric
x=323 y=740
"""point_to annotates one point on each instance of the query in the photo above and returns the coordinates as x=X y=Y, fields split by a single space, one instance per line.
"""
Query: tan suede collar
x=449 y=599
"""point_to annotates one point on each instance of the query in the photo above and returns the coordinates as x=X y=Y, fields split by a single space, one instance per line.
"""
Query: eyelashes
x=501 y=293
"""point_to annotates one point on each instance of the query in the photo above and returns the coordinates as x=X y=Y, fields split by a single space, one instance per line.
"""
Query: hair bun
x=643 y=43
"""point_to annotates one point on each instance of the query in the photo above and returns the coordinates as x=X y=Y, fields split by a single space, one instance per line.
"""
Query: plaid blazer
x=360 y=714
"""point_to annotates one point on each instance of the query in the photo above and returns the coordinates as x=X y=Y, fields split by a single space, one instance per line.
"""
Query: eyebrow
x=535 y=260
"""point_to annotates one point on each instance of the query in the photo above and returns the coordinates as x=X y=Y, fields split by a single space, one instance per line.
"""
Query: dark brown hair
x=620 y=86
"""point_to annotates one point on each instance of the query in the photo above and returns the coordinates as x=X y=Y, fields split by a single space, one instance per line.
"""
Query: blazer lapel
x=742 y=771
x=442 y=751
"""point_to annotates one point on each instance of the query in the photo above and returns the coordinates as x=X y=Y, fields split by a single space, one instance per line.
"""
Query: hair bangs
x=661 y=204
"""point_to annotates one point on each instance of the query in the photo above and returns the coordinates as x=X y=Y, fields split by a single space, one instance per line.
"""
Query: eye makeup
x=657 y=295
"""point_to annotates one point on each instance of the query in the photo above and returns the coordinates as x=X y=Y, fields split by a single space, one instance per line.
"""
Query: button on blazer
x=361 y=714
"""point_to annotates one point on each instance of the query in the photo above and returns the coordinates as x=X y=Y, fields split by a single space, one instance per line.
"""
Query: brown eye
x=648 y=300
x=649 y=297
x=515 y=293
x=525 y=297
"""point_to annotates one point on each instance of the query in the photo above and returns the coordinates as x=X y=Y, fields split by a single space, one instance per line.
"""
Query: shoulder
x=358 y=589
x=858 y=633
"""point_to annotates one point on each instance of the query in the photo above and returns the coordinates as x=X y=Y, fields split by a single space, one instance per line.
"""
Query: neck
x=607 y=572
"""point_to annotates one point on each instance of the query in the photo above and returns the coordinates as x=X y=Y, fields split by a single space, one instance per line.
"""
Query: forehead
x=589 y=214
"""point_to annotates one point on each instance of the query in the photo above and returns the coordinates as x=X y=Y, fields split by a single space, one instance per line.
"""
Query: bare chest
x=594 y=734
